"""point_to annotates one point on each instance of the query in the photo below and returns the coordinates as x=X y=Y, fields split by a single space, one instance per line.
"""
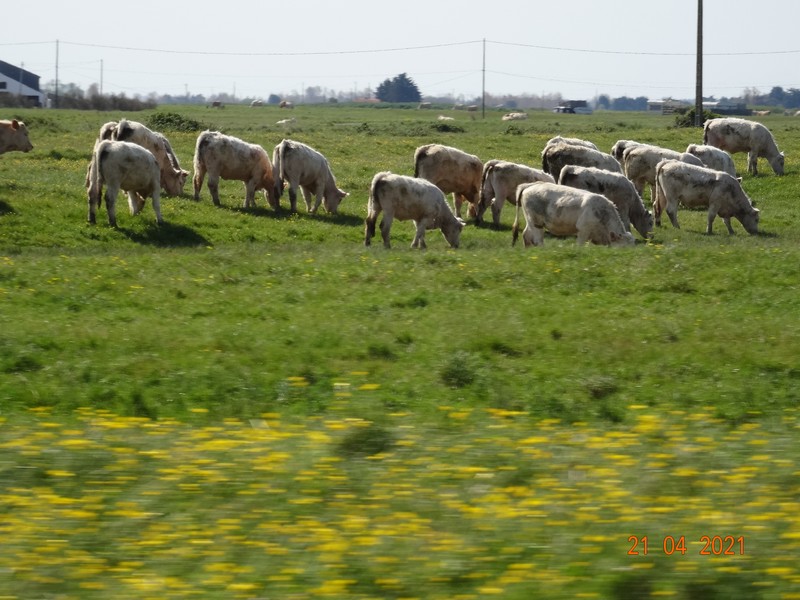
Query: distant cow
x=123 y=166
x=408 y=198
x=567 y=211
x=695 y=187
x=14 y=137
x=713 y=158
x=227 y=157
x=255 y=103
x=424 y=105
x=617 y=188
x=639 y=163
x=173 y=178
x=453 y=171
x=740 y=135
x=302 y=166
x=500 y=181
x=556 y=156
x=217 y=104
x=285 y=104
x=515 y=116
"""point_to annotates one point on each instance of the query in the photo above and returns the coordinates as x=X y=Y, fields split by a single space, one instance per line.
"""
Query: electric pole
x=698 y=93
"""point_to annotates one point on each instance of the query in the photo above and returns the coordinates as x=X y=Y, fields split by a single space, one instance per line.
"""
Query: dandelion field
x=249 y=404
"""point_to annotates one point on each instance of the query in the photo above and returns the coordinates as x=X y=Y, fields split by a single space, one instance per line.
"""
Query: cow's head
x=451 y=229
x=777 y=163
x=21 y=141
x=622 y=239
x=174 y=182
x=332 y=201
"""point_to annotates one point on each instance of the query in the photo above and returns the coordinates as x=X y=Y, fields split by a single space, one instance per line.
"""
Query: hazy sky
x=579 y=48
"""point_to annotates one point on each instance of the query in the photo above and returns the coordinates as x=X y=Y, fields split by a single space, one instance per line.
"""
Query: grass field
x=251 y=404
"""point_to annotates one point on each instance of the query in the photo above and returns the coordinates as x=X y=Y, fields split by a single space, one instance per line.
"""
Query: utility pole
x=56 y=99
x=483 y=82
x=101 y=76
x=698 y=93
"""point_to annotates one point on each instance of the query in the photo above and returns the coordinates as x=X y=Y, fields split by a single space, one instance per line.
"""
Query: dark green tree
x=400 y=89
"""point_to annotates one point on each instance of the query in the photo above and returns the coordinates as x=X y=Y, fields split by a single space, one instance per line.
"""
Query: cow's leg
x=497 y=206
x=293 y=197
x=458 y=200
x=213 y=187
x=752 y=162
x=94 y=201
x=135 y=203
x=111 y=201
x=249 y=194
x=386 y=226
x=197 y=180
x=672 y=213
x=533 y=236
x=419 y=235
x=157 y=205
x=307 y=195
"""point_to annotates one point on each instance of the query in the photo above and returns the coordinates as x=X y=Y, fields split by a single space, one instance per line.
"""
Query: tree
x=400 y=89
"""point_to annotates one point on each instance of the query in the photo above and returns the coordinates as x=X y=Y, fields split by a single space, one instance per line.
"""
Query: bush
x=687 y=119
x=173 y=122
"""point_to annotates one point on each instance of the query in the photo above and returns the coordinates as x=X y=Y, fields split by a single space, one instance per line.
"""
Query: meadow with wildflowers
x=250 y=404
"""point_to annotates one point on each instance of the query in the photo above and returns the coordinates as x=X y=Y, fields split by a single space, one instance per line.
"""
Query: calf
x=563 y=211
x=617 y=188
x=639 y=163
x=173 y=178
x=403 y=198
x=740 y=135
x=713 y=158
x=556 y=156
x=14 y=137
x=500 y=181
x=453 y=171
x=126 y=166
x=571 y=141
x=302 y=166
x=228 y=157
x=694 y=187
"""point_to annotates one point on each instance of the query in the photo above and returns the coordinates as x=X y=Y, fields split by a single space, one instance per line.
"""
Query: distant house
x=668 y=106
x=579 y=107
x=19 y=82
x=727 y=107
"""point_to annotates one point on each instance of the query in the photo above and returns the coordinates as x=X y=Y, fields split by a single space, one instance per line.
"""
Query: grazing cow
x=424 y=105
x=14 y=137
x=694 y=187
x=228 y=157
x=123 y=166
x=570 y=140
x=500 y=181
x=617 y=188
x=639 y=163
x=454 y=171
x=619 y=147
x=285 y=104
x=217 y=104
x=255 y=103
x=444 y=118
x=563 y=211
x=302 y=166
x=408 y=198
x=740 y=135
x=713 y=158
x=556 y=156
x=173 y=178
x=515 y=116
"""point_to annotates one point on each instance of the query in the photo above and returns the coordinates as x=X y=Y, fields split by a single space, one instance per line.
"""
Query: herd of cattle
x=580 y=191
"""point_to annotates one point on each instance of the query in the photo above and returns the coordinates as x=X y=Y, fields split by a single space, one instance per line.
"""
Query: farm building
x=19 y=82
x=667 y=106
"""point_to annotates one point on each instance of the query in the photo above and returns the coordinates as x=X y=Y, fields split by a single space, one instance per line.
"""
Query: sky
x=580 y=48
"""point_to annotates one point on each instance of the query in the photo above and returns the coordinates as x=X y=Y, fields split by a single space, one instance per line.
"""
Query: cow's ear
x=614 y=236
x=15 y=124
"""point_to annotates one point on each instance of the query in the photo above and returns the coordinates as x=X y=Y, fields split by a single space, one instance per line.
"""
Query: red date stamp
x=716 y=545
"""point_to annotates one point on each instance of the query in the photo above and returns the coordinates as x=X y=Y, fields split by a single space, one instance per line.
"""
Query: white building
x=19 y=82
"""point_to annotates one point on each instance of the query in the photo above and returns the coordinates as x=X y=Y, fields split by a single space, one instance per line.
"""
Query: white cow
x=740 y=135
x=570 y=140
x=696 y=187
x=617 y=188
x=713 y=158
x=454 y=171
x=227 y=157
x=302 y=166
x=566 y=211
x=409 y=198
x=556 y=156
x=123 y=166
x=173 y=178
x=14 y=137
x=619 y=147
x=500 y=181
x=639 y=163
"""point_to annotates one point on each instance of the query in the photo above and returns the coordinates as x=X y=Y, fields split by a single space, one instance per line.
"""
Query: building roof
x=28 y=79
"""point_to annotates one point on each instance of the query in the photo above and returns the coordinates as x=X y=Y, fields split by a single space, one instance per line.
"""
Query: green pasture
x=243 y=403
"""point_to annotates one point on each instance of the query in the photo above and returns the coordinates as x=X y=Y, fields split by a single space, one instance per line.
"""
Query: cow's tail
x=278 y=172
x=200 y=149
x=659 y=199
x=705 y=132
x=94 y=179
x=419 y=156
x=373 y=207
x=546 y=164
x=515 y=227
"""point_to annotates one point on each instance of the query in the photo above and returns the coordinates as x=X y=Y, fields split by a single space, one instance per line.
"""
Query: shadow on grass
x=6 y=208
x=284 y=214
x=166 y=235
